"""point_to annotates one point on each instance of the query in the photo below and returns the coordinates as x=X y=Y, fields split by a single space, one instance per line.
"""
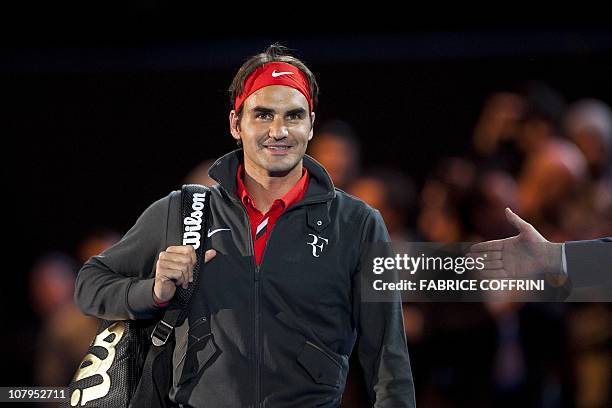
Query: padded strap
x=195 y=207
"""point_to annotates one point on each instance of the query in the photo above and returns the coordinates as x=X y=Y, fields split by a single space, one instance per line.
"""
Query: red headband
x=275 y=73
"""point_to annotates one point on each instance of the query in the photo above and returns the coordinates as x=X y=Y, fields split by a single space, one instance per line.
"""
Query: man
x=585 y=263
x=282 y=285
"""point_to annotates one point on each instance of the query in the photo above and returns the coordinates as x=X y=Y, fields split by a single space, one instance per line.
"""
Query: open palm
x=524 y=255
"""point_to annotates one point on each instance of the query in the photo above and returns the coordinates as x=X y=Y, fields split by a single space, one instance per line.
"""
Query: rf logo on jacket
x=317 y=249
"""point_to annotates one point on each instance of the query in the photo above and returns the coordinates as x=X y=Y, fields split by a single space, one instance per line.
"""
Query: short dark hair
x=274 y=53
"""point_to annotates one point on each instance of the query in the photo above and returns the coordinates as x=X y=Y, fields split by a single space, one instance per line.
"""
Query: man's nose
x=278 y=130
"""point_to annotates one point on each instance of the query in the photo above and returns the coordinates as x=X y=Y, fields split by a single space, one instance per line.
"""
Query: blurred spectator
x=495 y=190
x=336 y=147
x=96 y=242
x=591 y=340
x=553 y=168
x=66 y=332
x=496 y=131
x=444 y=215
x=51 y=283
x=452 y=354
x=526 y=368
x=199 y=174
x=501 y=354
x=393 y=194
x=588 y=123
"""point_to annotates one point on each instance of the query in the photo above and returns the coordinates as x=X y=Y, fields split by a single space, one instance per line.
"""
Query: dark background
x=98 y=124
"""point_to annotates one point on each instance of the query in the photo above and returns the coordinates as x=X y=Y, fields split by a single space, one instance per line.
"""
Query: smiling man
x=278 y=307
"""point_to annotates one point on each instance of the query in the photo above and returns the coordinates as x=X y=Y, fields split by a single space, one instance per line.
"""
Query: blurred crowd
x=548 y=160
x=552 y=163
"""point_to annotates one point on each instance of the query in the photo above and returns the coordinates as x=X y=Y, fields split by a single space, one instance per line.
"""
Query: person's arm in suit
x=588 y=263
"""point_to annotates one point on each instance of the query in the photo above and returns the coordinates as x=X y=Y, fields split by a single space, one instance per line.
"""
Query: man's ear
x=312 y=119
x=234 y=124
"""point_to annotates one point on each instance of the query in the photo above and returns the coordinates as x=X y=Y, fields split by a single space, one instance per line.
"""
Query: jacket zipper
x=257 y=323
x=258 y=342
x=257 y=307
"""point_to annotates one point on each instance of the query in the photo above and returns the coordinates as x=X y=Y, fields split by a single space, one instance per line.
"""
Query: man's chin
x=280 y=169
x=279 y=172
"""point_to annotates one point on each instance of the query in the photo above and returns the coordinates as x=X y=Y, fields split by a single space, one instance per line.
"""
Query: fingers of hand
x=184 y=255
x=177 y=257
x=485 y=256
x=180 y=272
x=182 y=249
x=495 y=264
x=192 y=254
x=177 y=263
x=210 y=254
x=487 y=246
x=187 y=250
x=493 y=274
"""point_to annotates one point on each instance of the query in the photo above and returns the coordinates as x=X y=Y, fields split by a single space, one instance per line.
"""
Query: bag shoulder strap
x=195 y=206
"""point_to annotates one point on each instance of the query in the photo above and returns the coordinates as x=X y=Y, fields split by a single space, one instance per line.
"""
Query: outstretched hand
x=524 y=255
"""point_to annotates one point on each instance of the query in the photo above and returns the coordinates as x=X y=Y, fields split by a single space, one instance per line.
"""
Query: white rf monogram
x=317 y=249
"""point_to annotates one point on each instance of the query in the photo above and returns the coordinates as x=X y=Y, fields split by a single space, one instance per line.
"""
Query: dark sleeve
x=118 y=283
x=382 y=347
x=588 y=262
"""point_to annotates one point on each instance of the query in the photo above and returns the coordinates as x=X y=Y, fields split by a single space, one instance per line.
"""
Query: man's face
x=275 y=129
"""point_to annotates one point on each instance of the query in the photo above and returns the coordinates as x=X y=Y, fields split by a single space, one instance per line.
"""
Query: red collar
x=291 y=197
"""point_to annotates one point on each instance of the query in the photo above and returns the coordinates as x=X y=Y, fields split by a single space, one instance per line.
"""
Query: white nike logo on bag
x=210 y=233
x=277 y=74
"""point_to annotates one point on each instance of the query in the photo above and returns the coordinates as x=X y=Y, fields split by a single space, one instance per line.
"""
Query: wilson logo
x=92 y=365
x=193 y=222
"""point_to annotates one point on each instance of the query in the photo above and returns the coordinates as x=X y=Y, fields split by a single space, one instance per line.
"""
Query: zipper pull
x=256 y=273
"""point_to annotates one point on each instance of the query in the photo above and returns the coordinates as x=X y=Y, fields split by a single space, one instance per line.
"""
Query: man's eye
x=265 y=116
x=294 y=116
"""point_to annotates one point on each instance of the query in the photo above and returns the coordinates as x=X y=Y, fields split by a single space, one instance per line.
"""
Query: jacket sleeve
x=588 y=262
x=118 y=283
x=382 y=347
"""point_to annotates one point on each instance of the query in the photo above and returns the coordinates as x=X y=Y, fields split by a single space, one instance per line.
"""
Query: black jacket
x=588 y=267
x=588 y=262
x=278 y=335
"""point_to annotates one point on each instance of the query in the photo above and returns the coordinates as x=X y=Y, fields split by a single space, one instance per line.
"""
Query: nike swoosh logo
x=211 y=233
x=277 y=74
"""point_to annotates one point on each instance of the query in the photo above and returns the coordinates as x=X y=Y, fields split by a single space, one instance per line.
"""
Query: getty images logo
x=193 y=223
